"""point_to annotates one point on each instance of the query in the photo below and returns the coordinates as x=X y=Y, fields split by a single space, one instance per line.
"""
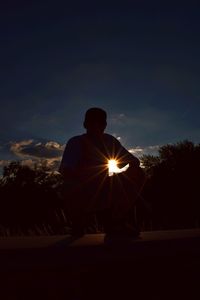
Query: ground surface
x=160 y=265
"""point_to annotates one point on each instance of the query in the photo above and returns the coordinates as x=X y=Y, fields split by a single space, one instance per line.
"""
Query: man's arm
x=125 y=156
x=135 y=173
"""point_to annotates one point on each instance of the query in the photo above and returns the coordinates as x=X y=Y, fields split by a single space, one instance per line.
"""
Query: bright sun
x=113 y=168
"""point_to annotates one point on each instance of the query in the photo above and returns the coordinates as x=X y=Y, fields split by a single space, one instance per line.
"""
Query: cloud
x=148 y=118
x=147 y=126
x=52 y=164
x=4 y=162
x=136 y=151
x=149 y=150
x=119 y=138
x=31 y=152
x=17 y=147
x=37 y=150
x=118 y=119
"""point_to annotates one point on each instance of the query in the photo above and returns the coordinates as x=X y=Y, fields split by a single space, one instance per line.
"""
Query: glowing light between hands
x=113 y=168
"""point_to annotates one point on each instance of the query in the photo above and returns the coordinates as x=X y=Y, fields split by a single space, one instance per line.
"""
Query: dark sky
x=139 y=60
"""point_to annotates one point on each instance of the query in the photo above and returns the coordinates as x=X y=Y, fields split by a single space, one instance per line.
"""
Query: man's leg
x=104 y=219
x=123 y=200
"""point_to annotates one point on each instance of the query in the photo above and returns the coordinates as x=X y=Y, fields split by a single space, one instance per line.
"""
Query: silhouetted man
x=91 y=190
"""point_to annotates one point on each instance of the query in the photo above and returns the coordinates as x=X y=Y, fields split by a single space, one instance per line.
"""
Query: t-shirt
x=90 y=190
x=84 y=150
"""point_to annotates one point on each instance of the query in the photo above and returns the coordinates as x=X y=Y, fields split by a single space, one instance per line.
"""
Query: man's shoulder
x=110 y=138
x=76 y=139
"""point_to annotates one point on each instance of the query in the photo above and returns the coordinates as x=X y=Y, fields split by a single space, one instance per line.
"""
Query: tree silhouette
x=173 y=185
x=30 y=198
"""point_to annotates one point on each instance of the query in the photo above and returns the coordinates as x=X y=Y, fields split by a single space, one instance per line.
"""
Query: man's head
x=95 y=121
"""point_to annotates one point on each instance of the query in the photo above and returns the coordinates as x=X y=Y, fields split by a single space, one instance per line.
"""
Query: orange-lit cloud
x=31 y=152
x=4 y=163
x=30 y=148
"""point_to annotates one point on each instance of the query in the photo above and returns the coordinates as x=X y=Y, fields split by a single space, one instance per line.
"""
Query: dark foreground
x=161 y=265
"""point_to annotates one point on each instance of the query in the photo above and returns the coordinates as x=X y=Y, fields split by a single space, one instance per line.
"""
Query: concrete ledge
x=36 y=242
x=160 y=265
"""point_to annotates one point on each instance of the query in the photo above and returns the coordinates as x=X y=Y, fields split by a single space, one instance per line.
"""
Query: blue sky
x=137 y=60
